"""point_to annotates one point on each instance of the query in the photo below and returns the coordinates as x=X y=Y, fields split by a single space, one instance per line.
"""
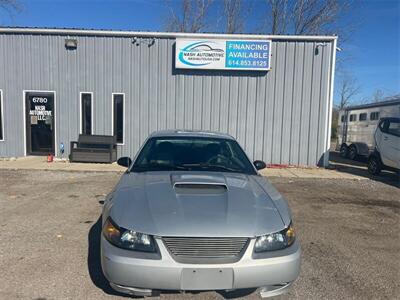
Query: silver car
x=192 y=213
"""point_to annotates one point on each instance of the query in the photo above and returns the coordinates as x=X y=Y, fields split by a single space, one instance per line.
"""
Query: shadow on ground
x=97 y=277
x=359 y=167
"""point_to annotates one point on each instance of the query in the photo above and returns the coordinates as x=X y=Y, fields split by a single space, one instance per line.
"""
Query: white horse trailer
x=357 y=125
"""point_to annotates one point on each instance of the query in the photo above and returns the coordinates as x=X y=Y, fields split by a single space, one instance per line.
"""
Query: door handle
x=385 y=138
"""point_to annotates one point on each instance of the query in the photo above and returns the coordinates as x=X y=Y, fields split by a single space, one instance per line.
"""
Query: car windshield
x=192 y=154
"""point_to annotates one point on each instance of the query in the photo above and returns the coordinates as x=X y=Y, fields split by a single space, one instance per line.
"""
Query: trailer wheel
x=374 y=165
x=353 y=152
x=344 y=150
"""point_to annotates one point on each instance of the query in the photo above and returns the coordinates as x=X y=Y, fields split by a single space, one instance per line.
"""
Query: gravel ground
x=349 y=232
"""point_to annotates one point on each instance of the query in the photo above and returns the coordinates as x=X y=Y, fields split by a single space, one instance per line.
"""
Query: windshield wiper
x=156 y=167
x=211 y=166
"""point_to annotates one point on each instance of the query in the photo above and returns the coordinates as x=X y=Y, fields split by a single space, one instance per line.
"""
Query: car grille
x=206 y=250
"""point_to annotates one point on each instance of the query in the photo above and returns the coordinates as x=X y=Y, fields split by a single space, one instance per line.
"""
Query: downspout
x=330 y=106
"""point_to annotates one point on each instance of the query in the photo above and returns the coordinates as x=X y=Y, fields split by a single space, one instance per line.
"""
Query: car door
x=389 y=143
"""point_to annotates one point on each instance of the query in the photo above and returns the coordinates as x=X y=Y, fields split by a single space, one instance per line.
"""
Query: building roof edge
x=121 y=33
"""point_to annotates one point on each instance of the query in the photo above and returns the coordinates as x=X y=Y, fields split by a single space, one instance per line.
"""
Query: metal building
x=281 y=116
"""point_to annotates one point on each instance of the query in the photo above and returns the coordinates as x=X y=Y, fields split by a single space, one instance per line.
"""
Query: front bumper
x=125 y=270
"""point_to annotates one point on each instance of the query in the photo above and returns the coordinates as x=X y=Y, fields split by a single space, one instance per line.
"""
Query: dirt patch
x=348 y=230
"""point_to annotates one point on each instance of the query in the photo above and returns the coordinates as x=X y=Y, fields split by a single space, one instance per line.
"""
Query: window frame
x=387 y=128
x=362 y=114
x=2 y=131
x=91 y=112
x=123 y=116
x=355 y=118
x=382 y=125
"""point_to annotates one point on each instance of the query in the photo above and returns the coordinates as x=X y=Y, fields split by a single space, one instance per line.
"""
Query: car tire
x=374 y=165
x=353 y=153
x=344 y=151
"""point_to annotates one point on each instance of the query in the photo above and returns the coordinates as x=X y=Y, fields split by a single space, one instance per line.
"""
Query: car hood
x=195 y=204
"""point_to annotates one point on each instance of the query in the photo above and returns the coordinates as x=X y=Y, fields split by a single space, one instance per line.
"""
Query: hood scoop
x=199 y=184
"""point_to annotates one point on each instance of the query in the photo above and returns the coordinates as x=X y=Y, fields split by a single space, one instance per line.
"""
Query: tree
x=235 y=14
x=191 y=18
x=347 y=89
x=335 y=122
x=378 y=96
x=301 y=17
x=305 y=17
x=10 y=6
x=278 y=19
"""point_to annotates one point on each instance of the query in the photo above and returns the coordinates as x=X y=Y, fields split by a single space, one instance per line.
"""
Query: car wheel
x=374 y=165
x=352 y=152
x=344 y=151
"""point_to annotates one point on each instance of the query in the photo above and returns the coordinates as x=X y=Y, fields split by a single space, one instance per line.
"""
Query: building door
x=40 y=135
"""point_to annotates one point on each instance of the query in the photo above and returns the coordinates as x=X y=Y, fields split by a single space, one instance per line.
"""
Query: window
x=362 y=117
x=118 y=117
x=383 y=125
x=86 y=113
x=394 y=128
x=1 y=116
x=192 y=154
x=353 y=118
x=374 y=116
x=342 y=119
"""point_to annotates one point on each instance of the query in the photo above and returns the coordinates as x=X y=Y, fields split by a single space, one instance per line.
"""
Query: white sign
x=223 y=54
x=39 y=100
x=40 y=112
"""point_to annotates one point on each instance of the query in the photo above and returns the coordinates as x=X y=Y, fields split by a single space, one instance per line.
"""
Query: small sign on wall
x=223 y=54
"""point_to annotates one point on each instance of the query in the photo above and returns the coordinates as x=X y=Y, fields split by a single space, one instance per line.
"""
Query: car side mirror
x=259 y=164
x=124 y=161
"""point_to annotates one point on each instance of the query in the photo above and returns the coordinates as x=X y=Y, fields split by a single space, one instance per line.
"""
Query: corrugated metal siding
x=278 y=116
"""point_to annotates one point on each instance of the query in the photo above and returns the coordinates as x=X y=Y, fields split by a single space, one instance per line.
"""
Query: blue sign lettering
x=248 y=54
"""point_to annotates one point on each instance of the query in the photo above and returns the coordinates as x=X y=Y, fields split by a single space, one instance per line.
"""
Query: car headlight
x=127 y=239
x=275 y=241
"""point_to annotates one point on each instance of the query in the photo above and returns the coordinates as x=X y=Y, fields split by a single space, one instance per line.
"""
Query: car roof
x=191 y=133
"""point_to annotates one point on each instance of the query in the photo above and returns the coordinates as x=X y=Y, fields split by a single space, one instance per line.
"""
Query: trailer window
x=374 y=116
x=342 y=119
x=362 y=117
x=353 y=118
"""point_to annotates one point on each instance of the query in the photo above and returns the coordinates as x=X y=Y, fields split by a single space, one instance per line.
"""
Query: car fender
x=277 y=199
x=375 y=153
